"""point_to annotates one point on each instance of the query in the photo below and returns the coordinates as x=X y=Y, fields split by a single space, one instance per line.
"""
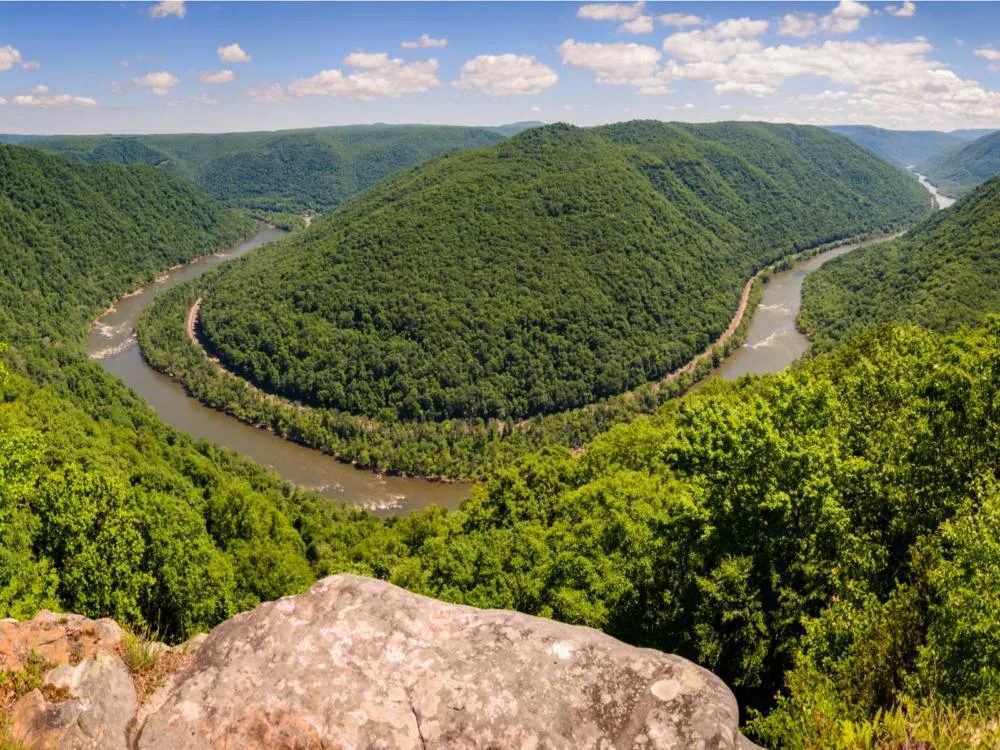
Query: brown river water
x=772 y=344
x=113 y=343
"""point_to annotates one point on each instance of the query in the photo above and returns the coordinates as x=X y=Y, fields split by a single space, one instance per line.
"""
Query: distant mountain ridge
x=285 y=171
x=902 y=147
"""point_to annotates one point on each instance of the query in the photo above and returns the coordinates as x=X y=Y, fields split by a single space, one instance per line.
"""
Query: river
x=772 y=344
x=113 y=343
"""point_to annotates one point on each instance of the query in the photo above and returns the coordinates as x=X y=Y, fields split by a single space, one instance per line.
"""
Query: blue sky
x=211 y=66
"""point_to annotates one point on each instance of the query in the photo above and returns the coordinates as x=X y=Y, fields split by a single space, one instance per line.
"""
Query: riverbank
x=454 y=450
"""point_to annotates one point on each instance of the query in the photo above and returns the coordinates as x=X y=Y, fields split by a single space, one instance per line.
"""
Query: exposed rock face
x=358 y=663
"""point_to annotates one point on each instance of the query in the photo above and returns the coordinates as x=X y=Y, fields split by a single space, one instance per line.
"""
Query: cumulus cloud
x=268 y=94
x=844 y=19
x=613 y=63
x=424 y=40
x=680 y=20
x=203 y=99
x=168 y=8
x=889 y=83
x=907 y=9
x=368 y=59
x=39 y=98
x=116 y=87
x=640 y=25
x=233 y=53
x=377 y=77
x=611 y=11
x=503 y=75
x=216 y=77
x=159 y=84
x=11 y=56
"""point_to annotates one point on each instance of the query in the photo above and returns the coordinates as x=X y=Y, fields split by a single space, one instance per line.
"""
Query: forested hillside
x=74 y=237
x=958 y=170
x=839 y=521
x=943 y=274
x=547 y=272
x=903 y=147
x=832 y=533
x=289 y=171
x=104 y=509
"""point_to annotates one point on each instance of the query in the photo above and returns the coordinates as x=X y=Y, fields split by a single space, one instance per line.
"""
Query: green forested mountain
x=957 y=170
x=73 y=237
x=902 y=147
x=557 y=268
x=292 y=171
x=832 y=533
x=943 y=274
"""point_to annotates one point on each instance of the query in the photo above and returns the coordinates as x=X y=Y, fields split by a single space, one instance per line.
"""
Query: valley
x=590 y=429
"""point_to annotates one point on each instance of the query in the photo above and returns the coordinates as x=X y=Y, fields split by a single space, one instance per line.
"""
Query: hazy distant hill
x=902 y=147
x=292 y=171
x=942 y=275
x=545 y=272
x=959 y=169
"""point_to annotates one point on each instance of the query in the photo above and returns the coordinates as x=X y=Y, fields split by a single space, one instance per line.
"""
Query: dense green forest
x=831 y=533
x=943 y=274
x=281 y=172
x=959 y=169
x=74 y=237
x=556 y=269
x=903 y=147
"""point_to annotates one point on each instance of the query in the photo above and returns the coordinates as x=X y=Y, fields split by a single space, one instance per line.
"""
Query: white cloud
x=378 y=77
x=168 y=8
x=735 y=28
x=233 y=53
x=216 y=77
x=892 y=84
x=988 y=54
x=640 y=25
x=680 y=20
x=614 y=63
x=844 y=19
x=11 y=56
x=268 y=94
x=203 y=99
x=611 y=11
x=536 y=109
x=502 y=75
x=906 y=10
x=424 y=40
x=367 y=59
x=159 y=84
x=116 y=87
x=39 y=98
x=825 y=96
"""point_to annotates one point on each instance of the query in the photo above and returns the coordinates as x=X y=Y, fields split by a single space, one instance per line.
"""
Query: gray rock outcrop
x=359 y=663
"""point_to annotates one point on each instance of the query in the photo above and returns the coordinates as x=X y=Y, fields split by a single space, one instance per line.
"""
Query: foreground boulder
x=359 y=663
